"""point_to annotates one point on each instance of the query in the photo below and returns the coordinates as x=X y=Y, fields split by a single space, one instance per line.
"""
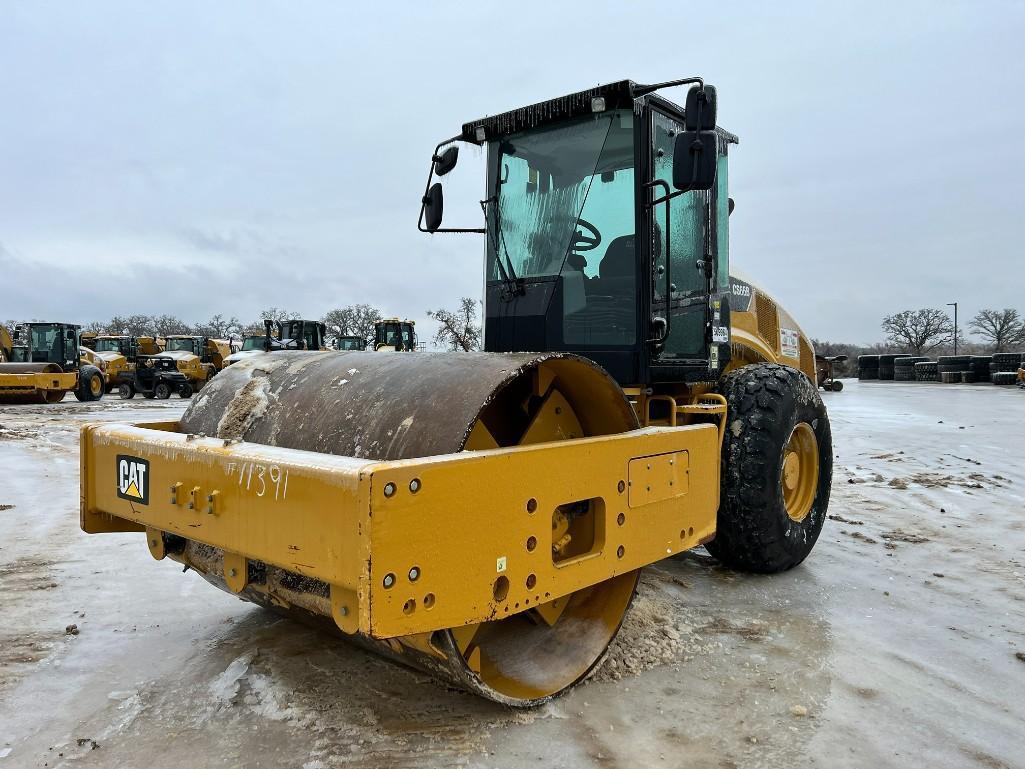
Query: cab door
x=681 y=281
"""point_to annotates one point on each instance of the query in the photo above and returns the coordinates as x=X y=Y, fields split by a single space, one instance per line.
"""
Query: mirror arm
x=423 y=200
x=641 y=90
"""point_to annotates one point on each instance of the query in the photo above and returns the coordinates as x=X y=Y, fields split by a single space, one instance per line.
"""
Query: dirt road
x=900 y=642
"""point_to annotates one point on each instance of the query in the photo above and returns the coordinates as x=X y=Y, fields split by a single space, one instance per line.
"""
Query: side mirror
x=694 y=156
x=446 y=161
x=699 y=114
x=434 y=205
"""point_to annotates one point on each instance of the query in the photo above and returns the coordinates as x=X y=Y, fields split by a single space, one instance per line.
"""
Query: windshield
x=253 y=343
x=564 y=206
x=53 y=343
x=108 y=345
x=186 y=345
x=350 y=343
x=388 y=333
x=550 y=180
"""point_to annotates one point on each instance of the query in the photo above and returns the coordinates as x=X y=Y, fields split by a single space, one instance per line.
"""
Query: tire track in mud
x=23 y=582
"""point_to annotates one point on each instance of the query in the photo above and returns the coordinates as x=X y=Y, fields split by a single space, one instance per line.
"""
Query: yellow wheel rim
x=96 y=386
x=800 y=473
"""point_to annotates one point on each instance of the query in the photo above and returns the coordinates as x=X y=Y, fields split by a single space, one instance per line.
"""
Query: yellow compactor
x=485 y=516
x=42 y=362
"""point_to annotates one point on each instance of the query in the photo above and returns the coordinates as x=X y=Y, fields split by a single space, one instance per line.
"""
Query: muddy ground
x=900 y=642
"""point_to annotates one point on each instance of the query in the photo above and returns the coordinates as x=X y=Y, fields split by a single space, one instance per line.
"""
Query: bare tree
x=1003 y=329
x=919 y=331
x=215 y=327
x=353 y=320
x=272 y=314
x=276 y=313
x=459 y=330
x=164 y=325
x=220 y=327
x=132 y=325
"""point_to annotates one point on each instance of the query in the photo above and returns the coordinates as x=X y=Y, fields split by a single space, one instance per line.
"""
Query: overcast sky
x=193 y=158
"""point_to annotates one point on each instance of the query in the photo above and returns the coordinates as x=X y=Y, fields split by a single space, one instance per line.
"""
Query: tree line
x=458 y=329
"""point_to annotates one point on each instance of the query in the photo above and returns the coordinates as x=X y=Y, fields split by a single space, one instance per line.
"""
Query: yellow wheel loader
x=394 y=335
x=485 y=516
x=44 y=362
x=197 y=357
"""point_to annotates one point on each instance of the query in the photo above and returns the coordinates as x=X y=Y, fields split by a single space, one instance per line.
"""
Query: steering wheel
x=583 y=242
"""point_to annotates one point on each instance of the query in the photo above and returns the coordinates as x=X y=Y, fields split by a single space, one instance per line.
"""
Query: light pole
x=954 y=305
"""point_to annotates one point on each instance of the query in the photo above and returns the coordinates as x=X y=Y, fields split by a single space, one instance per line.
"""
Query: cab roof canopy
x=618 y=95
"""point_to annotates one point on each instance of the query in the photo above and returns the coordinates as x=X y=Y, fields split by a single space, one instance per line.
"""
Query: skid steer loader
x=484 y=516
x=44 y=363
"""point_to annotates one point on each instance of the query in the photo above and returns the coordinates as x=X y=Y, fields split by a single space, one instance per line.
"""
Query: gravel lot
x=900 y=642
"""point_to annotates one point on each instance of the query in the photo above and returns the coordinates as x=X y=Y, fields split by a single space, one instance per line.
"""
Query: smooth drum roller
x=21 y=393
x=391 y=407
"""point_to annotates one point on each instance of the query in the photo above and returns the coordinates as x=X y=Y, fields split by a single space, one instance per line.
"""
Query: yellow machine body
x=484 y=516
x=118 y=365
x=6 y=343
x=198 y=368
x=44 y=382
x=763 y=331
x=531 y=498
x=26 y=381
x=350 y=522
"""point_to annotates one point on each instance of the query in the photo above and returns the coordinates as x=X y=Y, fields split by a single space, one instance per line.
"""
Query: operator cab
x=120 y=345
x=394 y=335
x=196 y=345
x=350 y=343
x=47 y=343
x=606 y=230
x=253 y=343
x=294 y=335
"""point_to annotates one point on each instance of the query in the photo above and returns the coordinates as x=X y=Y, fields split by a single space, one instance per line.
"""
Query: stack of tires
x=925 y=371
x=1004 y=367
x=952 y=368
x=868 y=367
x=886 y=365
x=904 y=368
x=979 y=370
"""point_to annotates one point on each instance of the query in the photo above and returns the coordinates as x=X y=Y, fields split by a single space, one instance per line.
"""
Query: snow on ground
x=900 y=642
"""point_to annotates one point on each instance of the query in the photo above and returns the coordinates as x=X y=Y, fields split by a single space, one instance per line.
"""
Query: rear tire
x=777 y=427
x=162 y=391
x=185 y=391
x=126 y=391
x=91 y=384
x=837 y=385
